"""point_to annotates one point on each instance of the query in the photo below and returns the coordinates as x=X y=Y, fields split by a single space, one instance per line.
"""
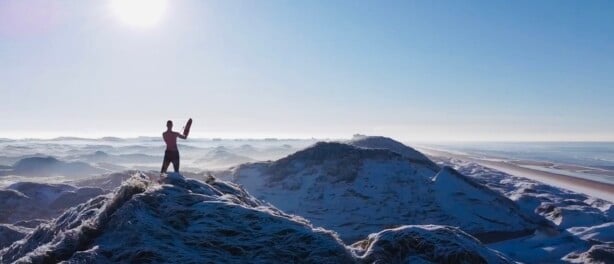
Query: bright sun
x=139 y=13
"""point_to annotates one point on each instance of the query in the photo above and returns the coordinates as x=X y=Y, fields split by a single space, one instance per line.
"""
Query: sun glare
x=139 y=13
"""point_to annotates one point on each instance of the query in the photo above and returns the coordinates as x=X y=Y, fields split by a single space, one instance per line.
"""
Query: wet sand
x=597 y=189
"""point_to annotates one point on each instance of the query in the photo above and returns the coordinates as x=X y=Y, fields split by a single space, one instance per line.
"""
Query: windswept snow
x=182 y=221
x=393 y=203
x=463 y=198
x=189 y=221
x=107 y=181
x=11 y=233
x=425 y=244
x=358 y=190
x=379 y=142
x=582 y=226
x=597 y=254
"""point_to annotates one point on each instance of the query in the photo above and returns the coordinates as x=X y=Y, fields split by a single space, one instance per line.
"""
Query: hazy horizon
x=410 y=70
x=264 y=138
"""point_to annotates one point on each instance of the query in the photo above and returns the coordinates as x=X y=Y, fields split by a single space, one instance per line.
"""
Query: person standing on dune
x=171 y=154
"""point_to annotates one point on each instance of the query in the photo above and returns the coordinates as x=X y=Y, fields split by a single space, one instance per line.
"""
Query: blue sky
x=413 y=70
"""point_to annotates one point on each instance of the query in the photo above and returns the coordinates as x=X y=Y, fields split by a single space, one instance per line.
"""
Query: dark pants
x=170 y=156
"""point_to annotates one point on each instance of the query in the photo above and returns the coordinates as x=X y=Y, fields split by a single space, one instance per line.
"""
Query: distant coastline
x=537 y=170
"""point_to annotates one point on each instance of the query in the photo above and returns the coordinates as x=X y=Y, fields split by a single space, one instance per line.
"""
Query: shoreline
x=596 y=189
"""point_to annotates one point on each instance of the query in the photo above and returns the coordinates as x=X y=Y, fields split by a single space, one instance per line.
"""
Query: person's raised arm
x=179 y=135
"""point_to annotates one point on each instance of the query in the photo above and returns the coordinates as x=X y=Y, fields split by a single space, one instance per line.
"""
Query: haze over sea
x=598 y=155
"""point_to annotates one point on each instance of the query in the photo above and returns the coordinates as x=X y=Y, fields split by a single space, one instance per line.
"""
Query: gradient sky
x=413 y=70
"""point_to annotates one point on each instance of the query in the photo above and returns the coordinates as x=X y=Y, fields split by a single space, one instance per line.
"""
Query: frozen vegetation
x=582 y=227
x=359 y=190
x=364 y=200
x=188 y=221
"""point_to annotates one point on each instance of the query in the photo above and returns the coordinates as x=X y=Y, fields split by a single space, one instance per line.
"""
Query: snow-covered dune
x=379 y=142
x=28 y=200
x=11 y=233
x=117 y=159
x=461 y=197
x=360 y=190
x=183 y=221
x=221 y=158
x=50 y=166
x=582 y=227
x=407 y=244
x=189 y=221
x=107 y=181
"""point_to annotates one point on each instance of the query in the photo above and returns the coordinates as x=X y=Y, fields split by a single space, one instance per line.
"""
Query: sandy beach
x=597 y=189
